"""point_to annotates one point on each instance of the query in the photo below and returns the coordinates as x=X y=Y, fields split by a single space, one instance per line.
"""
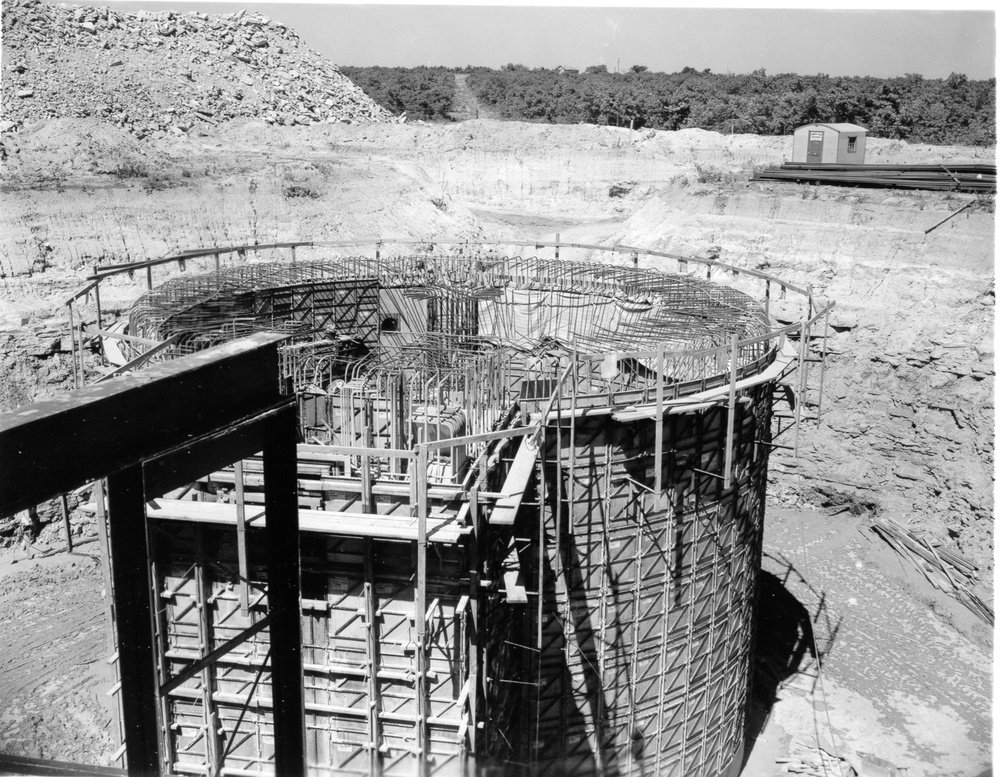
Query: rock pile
x=153 y=73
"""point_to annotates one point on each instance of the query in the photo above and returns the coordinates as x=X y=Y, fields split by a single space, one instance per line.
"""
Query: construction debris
x=946 y=570
x=815 y=761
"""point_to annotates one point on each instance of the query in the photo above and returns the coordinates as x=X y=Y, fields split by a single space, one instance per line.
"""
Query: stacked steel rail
x=964 y=177
x=531 y=536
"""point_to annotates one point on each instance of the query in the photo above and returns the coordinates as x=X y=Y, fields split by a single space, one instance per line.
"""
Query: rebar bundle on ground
x=943 y=177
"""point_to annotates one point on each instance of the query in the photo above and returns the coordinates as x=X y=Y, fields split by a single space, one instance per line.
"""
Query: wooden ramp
x=506 y=507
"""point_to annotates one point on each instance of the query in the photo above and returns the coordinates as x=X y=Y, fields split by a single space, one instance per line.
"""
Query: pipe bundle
x=966 y=177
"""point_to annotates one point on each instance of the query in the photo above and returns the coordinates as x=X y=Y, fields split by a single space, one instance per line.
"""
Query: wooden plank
x=344 y=485
x=142 y=358
x=18 y=764
x=67 y=530
x=505 y=509
x=336 y=452
x=782 y=364
x=472 y=439
x=516 y=594
x=127 y=338
x=203 y=593
x=390 y=527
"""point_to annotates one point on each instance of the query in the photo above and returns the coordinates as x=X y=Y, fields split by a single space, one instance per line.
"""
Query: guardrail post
x=822 y=365
x=79 y=340
x=72 y=344
x=97 y=296
x=731 y=410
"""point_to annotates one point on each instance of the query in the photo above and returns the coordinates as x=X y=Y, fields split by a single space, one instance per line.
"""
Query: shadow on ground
x=784 y=640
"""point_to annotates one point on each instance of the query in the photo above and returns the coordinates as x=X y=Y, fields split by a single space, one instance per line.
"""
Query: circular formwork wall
x=641 y=534
x=647 y=613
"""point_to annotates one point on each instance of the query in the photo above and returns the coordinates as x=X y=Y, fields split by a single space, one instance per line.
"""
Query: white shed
x=841 y=144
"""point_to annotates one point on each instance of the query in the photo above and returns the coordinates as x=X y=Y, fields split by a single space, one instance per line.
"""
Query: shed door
x=814 y=154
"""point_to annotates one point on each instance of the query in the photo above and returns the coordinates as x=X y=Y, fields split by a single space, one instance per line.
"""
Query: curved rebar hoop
x=680 y=313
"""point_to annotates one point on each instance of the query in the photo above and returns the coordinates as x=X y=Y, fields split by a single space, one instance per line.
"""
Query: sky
x=883 y=42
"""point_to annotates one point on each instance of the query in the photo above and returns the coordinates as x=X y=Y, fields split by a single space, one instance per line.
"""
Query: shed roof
x=841 y=127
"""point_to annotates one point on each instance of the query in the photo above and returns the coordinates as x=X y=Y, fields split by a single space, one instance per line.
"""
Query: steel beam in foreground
x=148 y=433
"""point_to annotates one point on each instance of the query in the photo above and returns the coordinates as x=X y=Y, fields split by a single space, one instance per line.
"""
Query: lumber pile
x=966 y=177
x=944 y=569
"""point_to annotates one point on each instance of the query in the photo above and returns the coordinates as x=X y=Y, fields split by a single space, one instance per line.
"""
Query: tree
x=952 y=110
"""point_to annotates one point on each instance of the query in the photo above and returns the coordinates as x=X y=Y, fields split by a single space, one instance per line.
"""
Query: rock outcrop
x=153 y=73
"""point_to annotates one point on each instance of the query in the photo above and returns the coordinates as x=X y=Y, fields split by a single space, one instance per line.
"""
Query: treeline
x=953 y=110
x=426 y=93
x=941 y=111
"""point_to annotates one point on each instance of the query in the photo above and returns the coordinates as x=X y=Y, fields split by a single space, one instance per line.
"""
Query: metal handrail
x=378 y=244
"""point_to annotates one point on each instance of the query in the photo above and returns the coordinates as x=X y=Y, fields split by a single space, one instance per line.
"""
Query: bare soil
x=907 y=430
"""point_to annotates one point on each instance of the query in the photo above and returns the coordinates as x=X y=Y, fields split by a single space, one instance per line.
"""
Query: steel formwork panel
x=358 y=648
x=652 y=605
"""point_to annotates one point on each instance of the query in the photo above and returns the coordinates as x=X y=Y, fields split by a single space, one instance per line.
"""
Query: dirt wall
x=908 y=422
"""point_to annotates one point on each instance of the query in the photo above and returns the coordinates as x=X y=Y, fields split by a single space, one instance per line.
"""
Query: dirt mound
x=152 y=73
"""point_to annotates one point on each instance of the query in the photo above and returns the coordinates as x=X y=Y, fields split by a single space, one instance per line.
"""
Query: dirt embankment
x=908 y=410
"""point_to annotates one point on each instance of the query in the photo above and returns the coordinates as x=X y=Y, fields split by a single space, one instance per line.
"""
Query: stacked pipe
x=968 y=177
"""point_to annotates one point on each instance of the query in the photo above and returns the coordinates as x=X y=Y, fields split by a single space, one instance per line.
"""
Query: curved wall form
x=587 y=605
x=648 y=597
